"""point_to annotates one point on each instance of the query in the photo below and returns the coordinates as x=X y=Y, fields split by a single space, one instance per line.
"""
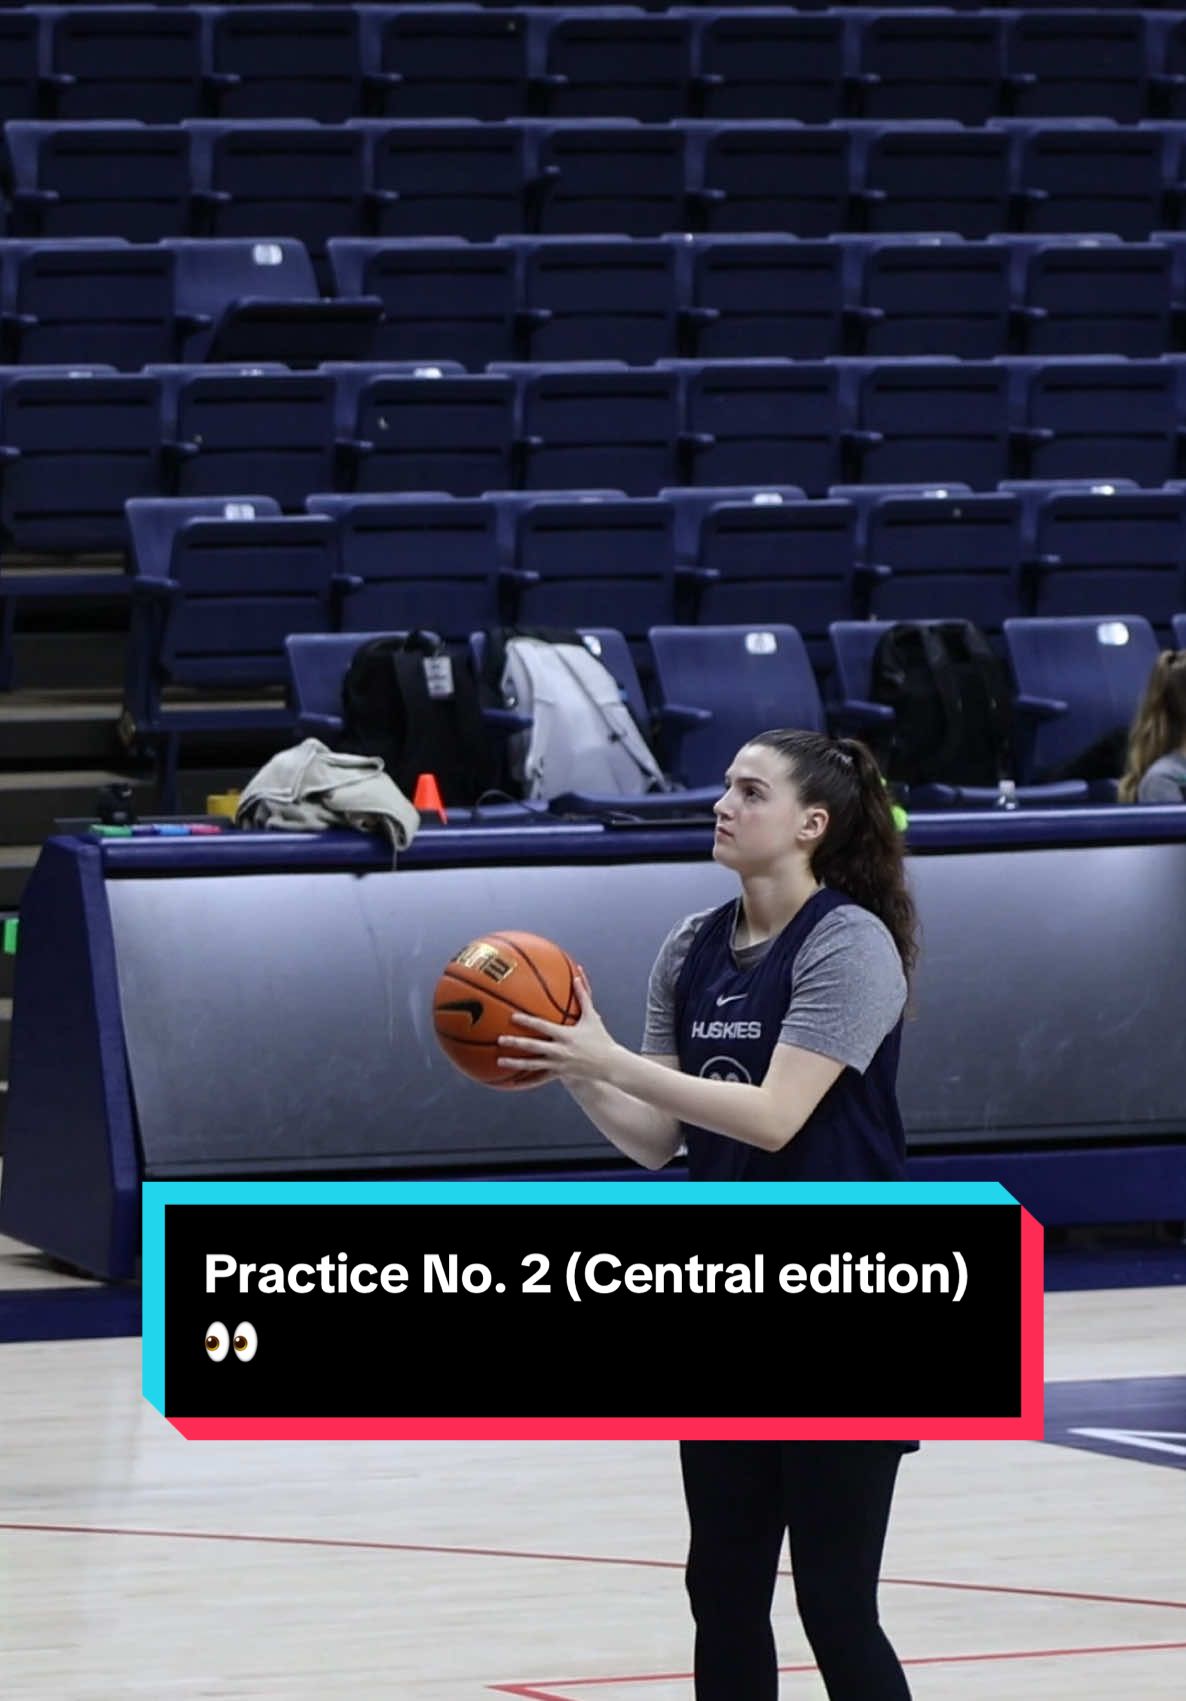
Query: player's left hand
x=582 y=1052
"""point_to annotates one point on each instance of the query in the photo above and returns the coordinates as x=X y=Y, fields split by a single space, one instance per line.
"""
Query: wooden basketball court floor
x=134 y=1564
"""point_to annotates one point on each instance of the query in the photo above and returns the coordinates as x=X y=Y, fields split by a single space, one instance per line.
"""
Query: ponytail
x=861 y=852
x=1159 y=725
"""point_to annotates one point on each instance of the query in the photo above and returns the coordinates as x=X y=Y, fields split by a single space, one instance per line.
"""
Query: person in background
x=1155 y=768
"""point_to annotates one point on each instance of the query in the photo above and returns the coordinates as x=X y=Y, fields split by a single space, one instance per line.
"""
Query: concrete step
x=30 y=803
x=16 y=865
x=67 y=728
x=68 y=660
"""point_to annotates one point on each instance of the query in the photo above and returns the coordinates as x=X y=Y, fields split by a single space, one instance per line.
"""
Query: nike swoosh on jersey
x=731 y=999
x=470 y=1007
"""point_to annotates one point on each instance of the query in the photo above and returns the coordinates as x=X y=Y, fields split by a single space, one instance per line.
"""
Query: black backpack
x=952 y=703
x=414 y=703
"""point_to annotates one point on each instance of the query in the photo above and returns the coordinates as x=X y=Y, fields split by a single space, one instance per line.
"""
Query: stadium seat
x=770 y=177
x=613 y=64
x=762 y=420
x=1080 y=681
x=438 y=294
x=719 y=686
x=102 y=179
x=1095 y=553
x=854 y=645
x=594 y=298
x=256 y=430
x=428 y=428
x=138 y=62
x=753 y=296
x=285 y=62
x=946 y=556
x=772 y=65
x=427 y=563
x=87 y=300
x=617 y=175
x=444 y=61
x=598 y=424
x=575 y=561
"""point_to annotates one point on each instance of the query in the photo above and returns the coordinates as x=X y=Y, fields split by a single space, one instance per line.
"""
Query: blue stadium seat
x=1102 y=419
x=931 y=420
x=770 y=177
x=1079 y=680
x=280 y=177
x=722 y=685
x=929 y=64
x=259 y=300
x=934 y=176
x=772 y=420
x=597 y=298
x=1167 y=58
x=949 y=557
x=598 y=424
x=933 y=296
x=431 y=562
x=429 y=429
x=764 y=295
x=617 y=175
x=511 y=503
x=86 y=300
x=21 y=81
x=1095 y=553
x=285 y=62
x=101 y=179
x=317 y=665
x=772 y=65
x=439 y=295
x=1180 y=631
x=613 y=64
x=689 y=507
x=1088 y=175
x=854 y=645
x=1093 y=295
x=154 y=521
x=788 y=562
x=445 y=61
x=575 y=561
x=234 y=590
x=256 y=431
x=443 y=177
x=139 y=62
x=75 y=448
x=1078 y=64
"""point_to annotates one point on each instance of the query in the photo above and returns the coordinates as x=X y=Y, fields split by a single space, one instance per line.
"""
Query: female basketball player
x=771 y=1049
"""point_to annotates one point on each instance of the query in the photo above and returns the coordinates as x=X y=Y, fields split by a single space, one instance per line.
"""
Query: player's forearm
x=646 y=1135
x=732 y=1108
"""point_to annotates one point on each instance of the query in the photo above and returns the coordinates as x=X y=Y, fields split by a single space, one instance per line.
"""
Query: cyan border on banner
x=156 y=1195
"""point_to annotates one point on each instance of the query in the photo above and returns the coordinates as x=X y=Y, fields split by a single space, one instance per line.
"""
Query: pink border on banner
x=1029 y=1426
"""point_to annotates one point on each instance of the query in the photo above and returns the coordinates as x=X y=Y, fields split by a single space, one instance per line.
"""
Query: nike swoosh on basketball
x=470 y=1007
x=731 y=999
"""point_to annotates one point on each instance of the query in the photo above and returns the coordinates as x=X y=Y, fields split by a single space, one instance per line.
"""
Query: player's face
x=760 y=818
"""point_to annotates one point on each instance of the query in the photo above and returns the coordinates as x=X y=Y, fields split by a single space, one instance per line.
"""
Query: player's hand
x=583 y=1052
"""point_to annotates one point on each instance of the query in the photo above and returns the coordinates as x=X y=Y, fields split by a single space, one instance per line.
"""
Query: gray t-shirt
x=847 y=986
x=1164 y=781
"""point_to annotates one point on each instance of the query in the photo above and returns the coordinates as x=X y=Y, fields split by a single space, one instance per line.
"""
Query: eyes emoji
x=219 y=1343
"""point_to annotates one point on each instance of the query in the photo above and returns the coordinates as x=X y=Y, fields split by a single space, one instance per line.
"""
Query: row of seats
x=244 y=61
x=694 y=557
x=74 y=446
x=711 y=687
x=372 y=177
x=587 y=298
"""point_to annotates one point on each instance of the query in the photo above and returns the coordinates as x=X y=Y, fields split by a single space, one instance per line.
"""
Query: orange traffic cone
x=427 y=797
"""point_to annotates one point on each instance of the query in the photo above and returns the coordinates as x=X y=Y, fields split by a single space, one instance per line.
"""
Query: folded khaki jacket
x=311 y=787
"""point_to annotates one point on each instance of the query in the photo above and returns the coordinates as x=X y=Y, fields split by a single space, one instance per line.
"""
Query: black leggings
x=834 y=1499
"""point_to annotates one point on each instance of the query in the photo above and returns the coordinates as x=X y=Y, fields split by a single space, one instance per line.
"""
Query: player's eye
x=218 y=1342
x=246 y=1341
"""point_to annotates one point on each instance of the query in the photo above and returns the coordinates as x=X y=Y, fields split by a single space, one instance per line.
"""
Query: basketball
x=481 y=989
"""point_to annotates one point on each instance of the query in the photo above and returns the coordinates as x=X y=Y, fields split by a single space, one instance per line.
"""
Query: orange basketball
x=481 y=989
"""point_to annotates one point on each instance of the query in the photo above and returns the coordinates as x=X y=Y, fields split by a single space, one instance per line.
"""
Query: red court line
x=533 y=1692
x=558 y=1558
